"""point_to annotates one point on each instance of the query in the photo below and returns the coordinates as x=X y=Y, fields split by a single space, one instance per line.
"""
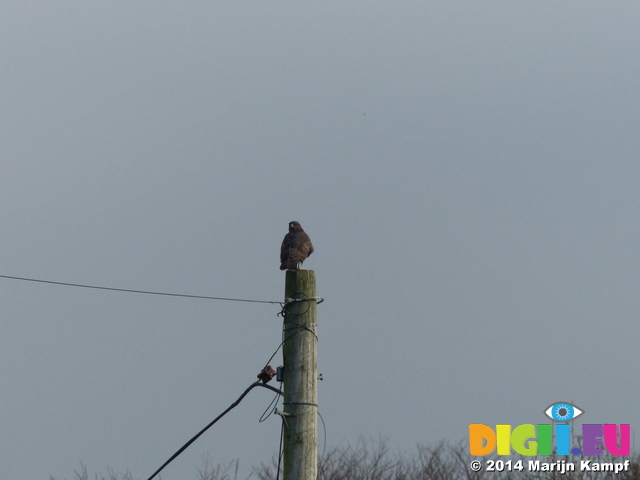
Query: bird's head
x=294 y=226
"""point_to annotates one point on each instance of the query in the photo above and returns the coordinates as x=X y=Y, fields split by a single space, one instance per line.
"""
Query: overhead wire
x=145 y=292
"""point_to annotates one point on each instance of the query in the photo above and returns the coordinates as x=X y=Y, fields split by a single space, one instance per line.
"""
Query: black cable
x=280 y=449
x=268 y=409
x=324 y=427
x=302 y=326
x=233 y=405
x=137 y=291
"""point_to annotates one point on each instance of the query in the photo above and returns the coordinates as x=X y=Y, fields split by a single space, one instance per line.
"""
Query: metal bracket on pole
x=292 y=300
x=282 y=414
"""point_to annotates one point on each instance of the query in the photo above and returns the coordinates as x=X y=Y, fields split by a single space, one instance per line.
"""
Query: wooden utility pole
x=300 y=443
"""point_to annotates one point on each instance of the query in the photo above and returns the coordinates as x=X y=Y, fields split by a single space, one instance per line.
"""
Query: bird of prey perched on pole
x=296 y=247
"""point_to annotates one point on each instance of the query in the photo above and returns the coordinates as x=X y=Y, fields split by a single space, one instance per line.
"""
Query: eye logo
x=563 y=412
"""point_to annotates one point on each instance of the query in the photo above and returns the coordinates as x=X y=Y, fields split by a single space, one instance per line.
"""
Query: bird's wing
x=284 y=249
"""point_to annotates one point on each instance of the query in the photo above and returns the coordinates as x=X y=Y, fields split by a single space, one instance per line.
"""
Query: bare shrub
x=372 y=460
x=83 y=474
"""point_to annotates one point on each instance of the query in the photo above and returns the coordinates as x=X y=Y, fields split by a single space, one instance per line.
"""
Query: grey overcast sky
x=467 y=171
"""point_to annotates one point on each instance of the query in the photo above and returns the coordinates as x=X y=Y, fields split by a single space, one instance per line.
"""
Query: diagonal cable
x=136 y=291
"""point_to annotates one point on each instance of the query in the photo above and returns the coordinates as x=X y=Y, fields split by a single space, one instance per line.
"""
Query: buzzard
x=296 y=247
